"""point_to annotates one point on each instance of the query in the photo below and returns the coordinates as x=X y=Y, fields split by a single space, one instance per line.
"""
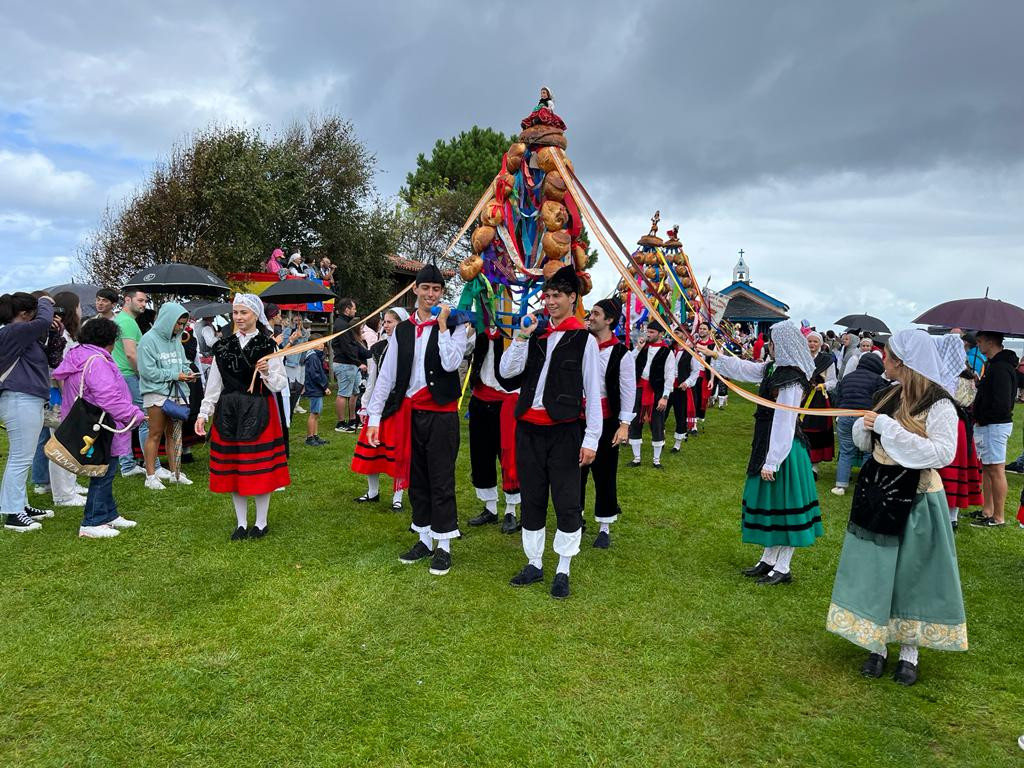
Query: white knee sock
x=372 y=485
x=491 y=505
x=679 y=440
x=563 y=565
x=908 y=653
x=262 y=508
x=884 y=653
x=445 y=544
x=657 y=451
x=241 y=509
x=954 y=514
x=635 y=445
x=782 y=561
x=606 y=528
x=770 y=555
x=511 y=502
x=397 y=497
x=425 y=538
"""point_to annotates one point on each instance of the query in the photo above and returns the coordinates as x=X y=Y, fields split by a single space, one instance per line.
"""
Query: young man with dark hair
x=618 y=391
x=349 y=359
x=655 y=380
x=561 y=378
x=993 y=420
x=419 y=382
x=106 y=300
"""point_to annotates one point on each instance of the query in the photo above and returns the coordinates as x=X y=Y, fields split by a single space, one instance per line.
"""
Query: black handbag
x=241 y=417
x=883 y=497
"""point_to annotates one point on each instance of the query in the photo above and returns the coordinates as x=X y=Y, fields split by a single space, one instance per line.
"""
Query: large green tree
x=227 y=196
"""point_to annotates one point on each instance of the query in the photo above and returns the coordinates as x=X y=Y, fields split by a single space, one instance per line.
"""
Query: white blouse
x=276 y=380
x=913 y=451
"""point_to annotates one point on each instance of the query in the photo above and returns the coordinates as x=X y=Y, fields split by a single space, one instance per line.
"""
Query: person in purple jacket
x=24 y=390
x=90 y=369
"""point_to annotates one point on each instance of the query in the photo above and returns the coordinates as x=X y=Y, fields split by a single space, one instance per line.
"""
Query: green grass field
x=171 y=646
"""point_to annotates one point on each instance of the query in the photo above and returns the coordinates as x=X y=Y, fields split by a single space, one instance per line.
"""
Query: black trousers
x=636 y=429
x=548 y=459
x=606 y=474
x=680 y=405
x=484 y=442
x=435 y=446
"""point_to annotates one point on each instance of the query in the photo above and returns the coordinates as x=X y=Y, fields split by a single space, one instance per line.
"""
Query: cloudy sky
x=866 y=156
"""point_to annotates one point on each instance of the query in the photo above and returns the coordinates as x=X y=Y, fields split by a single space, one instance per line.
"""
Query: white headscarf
x=953 y=358
x=791 y=347
x=253 y=303
x=919 y=352
x=401 y=312
x=818 y=335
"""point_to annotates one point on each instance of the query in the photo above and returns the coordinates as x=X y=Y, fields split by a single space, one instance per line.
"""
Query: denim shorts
x=347 y=376
x=316 y=405
x=991 y=441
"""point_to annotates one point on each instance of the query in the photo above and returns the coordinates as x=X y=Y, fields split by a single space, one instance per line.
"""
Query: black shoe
x=815 y=474
x=676 y=450
x=873 y=666
x=774 y=578
x=414 y=555
x=187 y=458
x=258 y=533
x=905 y=673
x=20 y=523
x=320 y=440
x=239 y=534
x=484 y=518
x=987 y=522
x=560 y=586
x=529 y=575
x=761 y=569
x=955 y=524
x=635 y=463
x=603 y=540
x=367 y=498
x=312 y=442
x=510 y=524
x=339 y=427
x=38 y=514
x=658 y=465
x=976 y=514
x=441 y=562
x=1016 y=466
x=355 y=424
x=396 y=506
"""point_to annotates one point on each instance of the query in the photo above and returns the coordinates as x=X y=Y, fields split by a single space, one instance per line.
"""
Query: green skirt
x=908 y=594
x=785 y=511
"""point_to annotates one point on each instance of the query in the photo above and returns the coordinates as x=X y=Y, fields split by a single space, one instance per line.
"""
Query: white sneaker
x=136 y=470
x=72 y=501
x=163 y=473
x=180 y=479
x=41 y=490
x=837 y=491
x=120 y=522
x=96 y=532
x=81 y=490
x=154 y=484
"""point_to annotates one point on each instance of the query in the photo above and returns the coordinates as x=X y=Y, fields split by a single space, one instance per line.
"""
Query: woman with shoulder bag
x=897 y=580
x=89 y=370
x=24 y=390
x=247 y=443
x=164 y=376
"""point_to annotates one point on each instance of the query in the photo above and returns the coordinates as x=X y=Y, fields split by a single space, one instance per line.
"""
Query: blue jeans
x=100 y=507
x=849 y=454
x=41 y=464
x=23 y=416
x=128 y=460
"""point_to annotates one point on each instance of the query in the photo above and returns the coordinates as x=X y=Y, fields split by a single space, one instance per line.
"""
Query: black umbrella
x=298 y=291
x=863 y=322
x=86 y=295
x=211 y=309
x=184 y=279
x=977 y=315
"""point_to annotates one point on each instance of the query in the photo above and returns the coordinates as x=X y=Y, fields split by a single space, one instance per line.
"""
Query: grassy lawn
x=171 y=645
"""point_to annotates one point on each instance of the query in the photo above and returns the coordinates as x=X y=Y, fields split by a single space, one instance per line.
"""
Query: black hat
x=612 y=309
x=657 y=324
x=564 y=280
x=429 y=273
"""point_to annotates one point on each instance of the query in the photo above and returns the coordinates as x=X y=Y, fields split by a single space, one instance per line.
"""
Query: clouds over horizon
x=864 y=156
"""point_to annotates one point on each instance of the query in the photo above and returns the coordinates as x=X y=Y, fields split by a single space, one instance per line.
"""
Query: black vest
x=563 y=389
x=480 y=352
x=377 y=351
x=657 y=379
x=611 y=380
x=444 y=386
x=237 y=364
x=774 y=380
x=683 y=366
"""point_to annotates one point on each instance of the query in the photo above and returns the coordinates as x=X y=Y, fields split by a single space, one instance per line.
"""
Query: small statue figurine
x=654 y=224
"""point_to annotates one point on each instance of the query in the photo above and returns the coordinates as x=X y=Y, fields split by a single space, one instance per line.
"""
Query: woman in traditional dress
x=821 y=435
x=247 y=443
x=961 y=479
x=780 y=500
x=373 y=461
x=897 y=580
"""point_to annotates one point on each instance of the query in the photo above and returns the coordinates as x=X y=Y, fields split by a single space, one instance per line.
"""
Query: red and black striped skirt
x=962 y=478
x=250 y=467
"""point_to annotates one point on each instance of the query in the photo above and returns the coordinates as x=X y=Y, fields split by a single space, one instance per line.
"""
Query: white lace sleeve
x=783 y=427
x=739 y=370
x=915 y=452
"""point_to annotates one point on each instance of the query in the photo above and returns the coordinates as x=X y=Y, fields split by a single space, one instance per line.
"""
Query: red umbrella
x=977 y=315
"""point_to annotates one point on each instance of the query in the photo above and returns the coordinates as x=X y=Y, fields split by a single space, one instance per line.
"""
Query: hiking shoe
x=414 y=555
x=21 y=523
x=38 y=514
x=97 y=532
x=530 y=574
x=560 y=586
x=441 y=562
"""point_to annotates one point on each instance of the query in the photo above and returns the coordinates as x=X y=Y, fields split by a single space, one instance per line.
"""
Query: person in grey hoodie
x=24 y=390
x=164 y=372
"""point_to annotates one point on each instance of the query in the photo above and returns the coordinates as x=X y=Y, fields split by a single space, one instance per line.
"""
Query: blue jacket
x=316 y=377
x=857 y=389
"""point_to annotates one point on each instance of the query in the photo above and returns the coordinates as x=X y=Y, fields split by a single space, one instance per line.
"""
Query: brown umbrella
x=983 y=314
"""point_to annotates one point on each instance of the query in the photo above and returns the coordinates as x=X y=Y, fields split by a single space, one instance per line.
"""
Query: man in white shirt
x=655 y=379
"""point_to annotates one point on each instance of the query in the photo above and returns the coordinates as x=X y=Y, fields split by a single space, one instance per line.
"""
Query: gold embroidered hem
x=874 y=637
